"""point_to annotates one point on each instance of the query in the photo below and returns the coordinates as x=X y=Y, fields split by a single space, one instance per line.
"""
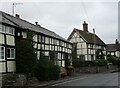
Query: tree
x=25 y=54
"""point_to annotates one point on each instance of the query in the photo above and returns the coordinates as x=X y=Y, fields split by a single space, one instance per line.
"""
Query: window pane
x=12 y=53
x=2 y=53
x=11 y=30
x=8 y=53
x=39 y=38
x=43 y=39
x=7 y=29
x=3 y=29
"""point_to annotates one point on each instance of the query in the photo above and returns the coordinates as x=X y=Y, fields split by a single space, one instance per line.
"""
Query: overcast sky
x=63 y=17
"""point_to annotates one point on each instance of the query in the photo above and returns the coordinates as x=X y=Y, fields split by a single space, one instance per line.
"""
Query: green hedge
x=112 y=59
x=102 y=63
x=46 y=70
x=77 y=63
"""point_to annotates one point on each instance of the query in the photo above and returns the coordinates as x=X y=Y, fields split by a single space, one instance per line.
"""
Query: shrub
x=102 y=63
x=112 y=59
x=45 y=70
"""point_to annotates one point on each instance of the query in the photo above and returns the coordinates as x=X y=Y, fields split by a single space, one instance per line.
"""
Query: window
x=43 y=39
x=24 y=34
x=3 y=28
x=11 y=31
x=40 y=38
x=10 y=53
x=7 y=29
x=2 y=53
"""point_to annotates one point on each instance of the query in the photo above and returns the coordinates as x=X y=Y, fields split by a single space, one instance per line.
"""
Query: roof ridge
x=53 y=34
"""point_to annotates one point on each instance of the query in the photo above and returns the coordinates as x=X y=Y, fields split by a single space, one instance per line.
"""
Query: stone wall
x=96 y=69
x=13 y=79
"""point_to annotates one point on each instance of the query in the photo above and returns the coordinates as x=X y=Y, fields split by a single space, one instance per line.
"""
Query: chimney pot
x=17 y=16
x=36 y=23
x=85 y=26
x=116 y=41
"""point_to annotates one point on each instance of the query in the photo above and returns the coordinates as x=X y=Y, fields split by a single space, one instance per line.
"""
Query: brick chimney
x=85 y=26
x=116 y=41
x=17 y=16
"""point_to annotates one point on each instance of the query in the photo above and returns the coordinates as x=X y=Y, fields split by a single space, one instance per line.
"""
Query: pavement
x=52 y=82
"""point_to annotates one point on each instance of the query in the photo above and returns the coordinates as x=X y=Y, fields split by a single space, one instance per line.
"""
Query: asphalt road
x=102 y=79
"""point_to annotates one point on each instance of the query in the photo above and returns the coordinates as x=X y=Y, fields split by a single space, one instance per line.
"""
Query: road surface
x=101 y=79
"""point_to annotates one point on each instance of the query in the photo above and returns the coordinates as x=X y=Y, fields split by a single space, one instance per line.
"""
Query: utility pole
x=94 y=42
x=14 y=4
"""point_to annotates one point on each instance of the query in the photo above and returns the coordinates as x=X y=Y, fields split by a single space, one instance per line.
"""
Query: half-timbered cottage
x=113 y=49
x=87 y=46
x=46 y=41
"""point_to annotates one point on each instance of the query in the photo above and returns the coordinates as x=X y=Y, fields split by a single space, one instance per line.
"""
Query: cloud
x=63 y=17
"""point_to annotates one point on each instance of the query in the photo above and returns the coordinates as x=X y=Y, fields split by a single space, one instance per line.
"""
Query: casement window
x=39 y=38
x=43 y=39
x=10 y=53
x=2 y=53
x=24 y=34
x=7 y=30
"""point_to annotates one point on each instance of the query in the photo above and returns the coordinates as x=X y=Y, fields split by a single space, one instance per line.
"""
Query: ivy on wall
x=25 y=54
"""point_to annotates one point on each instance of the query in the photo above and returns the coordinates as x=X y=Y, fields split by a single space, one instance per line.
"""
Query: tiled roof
x=9 y=19
x=113 y=47
x=89 y=37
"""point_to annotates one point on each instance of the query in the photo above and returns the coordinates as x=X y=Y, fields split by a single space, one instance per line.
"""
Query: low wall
x=96 y=69
x=13 y=79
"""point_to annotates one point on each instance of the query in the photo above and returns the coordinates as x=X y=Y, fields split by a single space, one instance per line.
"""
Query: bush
x=102 y=63
x=112 y=59
x=46 y=70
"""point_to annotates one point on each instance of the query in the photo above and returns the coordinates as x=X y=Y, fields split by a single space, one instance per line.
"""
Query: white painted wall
x=10 y=40
x=2 y=67
x=11 y=65
x=2 y=40
x=47 y=40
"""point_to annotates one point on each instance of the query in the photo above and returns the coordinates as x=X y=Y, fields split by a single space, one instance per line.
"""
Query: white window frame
x=8 y=30
x=4 y=54
x=11 y=53
x=24 y=34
